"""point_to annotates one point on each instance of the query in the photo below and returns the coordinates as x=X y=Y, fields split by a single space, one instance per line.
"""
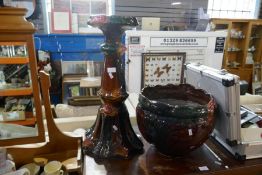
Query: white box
x=150 y=23
x=201 y=50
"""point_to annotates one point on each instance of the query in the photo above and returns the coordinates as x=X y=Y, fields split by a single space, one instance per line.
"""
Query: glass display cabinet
x=20 y=105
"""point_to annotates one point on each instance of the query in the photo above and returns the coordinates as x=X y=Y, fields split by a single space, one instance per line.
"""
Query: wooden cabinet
x=243 y=45
x=255 y=41
x=16 y=84
x=19 y=89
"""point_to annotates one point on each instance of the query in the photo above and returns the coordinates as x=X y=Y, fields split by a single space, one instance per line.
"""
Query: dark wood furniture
x=151 y=162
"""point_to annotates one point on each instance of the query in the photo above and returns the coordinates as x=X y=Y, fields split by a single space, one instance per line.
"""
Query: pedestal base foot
x=112 y=137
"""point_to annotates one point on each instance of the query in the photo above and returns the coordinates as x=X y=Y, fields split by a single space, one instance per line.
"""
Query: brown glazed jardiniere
x=175 y=118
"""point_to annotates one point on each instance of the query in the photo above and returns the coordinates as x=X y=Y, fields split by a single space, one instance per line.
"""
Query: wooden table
x=211 y=155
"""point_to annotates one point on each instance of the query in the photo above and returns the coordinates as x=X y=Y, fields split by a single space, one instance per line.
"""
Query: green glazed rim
x=101 y=20
x=148 y=96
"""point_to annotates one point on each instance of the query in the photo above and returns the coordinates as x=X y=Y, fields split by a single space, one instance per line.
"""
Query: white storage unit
x=200 y=47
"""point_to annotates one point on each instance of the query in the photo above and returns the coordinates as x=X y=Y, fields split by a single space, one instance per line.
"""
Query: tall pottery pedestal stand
x=112 y=136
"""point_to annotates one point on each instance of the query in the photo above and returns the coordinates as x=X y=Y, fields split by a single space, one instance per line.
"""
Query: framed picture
x=61 y=21
x=162 y=68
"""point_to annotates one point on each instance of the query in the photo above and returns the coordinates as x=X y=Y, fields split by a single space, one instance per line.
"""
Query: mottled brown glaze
x=112 y=136
x=175 y=129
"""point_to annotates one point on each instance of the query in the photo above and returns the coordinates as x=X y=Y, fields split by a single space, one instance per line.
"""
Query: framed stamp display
x=162 y=68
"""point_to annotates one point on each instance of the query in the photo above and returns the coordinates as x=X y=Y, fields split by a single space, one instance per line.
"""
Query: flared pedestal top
x=101 y=20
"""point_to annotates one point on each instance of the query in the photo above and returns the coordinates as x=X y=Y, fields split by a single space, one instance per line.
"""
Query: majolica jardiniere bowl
x=175 y=118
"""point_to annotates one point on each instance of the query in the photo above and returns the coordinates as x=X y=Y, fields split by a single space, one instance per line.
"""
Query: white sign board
x=178 y=41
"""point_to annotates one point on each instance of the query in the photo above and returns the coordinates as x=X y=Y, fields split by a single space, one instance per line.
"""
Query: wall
x=71 y=47
x=67 y=47
x=182 y=15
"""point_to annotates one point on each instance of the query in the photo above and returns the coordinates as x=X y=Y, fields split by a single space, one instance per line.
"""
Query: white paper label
x=190 y=133
x=110 y=71
x=203 y=168
x=115 y=127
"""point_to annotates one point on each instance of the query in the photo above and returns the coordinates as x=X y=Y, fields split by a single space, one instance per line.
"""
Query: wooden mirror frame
x=14 y=27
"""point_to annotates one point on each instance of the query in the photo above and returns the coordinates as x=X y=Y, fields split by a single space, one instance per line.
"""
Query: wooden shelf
x=16 y=92
x=237 y=38
x=13 y=43
x=14 y=60
x=26 y=122
x=234 y=50
x=254 y=37
x=30 y=120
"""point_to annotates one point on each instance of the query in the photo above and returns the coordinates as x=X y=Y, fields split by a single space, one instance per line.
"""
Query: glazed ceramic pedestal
x=112 y=136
